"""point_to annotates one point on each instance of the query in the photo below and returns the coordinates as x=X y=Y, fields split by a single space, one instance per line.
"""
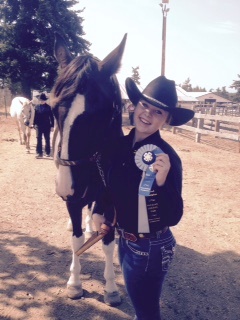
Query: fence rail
x=227 y=127
x=214 y=109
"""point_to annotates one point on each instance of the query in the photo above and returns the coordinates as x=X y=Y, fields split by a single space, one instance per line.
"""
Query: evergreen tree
x=223 y=93
x=198 y=89
x=26 y=41
x=236 y=86
x=187 y=85
x=135 y=75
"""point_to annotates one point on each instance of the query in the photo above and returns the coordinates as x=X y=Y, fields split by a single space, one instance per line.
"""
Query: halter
x=96 y=157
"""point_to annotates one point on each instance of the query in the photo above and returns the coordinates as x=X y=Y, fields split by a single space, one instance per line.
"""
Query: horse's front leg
x=25 y=131
x=74 y=284
x=28 y=140
x=24 y=138
x=19 y=131
x=111 y=294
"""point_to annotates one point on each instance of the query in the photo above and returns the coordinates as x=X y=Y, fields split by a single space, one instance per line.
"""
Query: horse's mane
x=72 y=78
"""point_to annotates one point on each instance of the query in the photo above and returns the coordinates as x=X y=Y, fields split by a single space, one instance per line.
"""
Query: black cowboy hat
x=161 y=93
x=42 y=97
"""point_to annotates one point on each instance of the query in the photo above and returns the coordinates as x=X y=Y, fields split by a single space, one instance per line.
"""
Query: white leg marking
x=109 y=273
x=111 y=294
x=74 y=284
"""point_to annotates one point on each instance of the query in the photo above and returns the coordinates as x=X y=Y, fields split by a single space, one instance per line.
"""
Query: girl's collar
x=150 y=139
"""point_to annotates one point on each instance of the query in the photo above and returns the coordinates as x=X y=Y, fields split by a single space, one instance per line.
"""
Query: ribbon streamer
x=144 y=158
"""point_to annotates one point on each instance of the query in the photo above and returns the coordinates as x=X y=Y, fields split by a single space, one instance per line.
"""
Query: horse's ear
x=61 y=52
x=112 y=62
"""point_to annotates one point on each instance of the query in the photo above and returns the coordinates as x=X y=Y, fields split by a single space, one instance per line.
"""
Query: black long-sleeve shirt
x=164 y=204
x=43 y=116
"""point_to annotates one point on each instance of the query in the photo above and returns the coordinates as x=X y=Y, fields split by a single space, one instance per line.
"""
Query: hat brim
x=179 y=116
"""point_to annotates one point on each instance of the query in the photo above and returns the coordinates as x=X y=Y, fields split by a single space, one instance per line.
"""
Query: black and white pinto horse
x=86 y=103
x=22 y=109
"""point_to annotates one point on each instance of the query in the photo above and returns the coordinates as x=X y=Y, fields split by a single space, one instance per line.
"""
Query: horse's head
x=27 y=111
x=86 y=103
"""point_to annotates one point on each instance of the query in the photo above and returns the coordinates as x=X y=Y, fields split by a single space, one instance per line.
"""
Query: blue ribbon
x=146 y=185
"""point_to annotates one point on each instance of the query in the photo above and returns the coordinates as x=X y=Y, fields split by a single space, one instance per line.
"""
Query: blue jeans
x=144 y=265
x=40 y=132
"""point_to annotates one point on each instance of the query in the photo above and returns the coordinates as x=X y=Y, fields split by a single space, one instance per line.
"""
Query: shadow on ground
x=198 y=287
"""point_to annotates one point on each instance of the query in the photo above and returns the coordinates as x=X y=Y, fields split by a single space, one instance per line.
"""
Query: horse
x=86 y=103
x=22 y=109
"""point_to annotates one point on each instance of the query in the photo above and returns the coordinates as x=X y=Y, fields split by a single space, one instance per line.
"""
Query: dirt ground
x=204 y=280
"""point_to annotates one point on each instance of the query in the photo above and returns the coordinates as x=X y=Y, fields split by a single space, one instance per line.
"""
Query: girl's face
x=148 y=119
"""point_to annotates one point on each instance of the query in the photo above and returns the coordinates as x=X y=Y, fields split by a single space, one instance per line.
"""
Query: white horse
x=22 y=109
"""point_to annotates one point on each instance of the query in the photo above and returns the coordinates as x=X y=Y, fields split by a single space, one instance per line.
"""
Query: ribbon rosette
x=144 y=159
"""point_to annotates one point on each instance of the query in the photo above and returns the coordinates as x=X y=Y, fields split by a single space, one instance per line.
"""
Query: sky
x=202 y=38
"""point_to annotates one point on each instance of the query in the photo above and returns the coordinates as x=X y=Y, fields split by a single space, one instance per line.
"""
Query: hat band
x=155 y=100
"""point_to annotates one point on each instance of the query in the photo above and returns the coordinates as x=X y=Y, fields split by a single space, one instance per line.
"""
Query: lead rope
x=97 y=158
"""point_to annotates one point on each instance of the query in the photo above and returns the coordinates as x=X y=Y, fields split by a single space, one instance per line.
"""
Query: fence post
x=199 y=126
x=174 y=130
x=217 y=126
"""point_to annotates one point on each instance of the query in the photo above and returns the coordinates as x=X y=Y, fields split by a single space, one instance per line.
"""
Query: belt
x=134 y=237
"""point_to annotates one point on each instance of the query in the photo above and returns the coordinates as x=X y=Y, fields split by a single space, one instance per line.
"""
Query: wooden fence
x=223 y=110
x=215 y=125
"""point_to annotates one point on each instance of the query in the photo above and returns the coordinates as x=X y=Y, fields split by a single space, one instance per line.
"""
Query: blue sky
x=203 y=38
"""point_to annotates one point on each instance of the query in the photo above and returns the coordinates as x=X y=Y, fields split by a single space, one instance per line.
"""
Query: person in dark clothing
x=130 y=109
x=144 y=185
x=43 y=123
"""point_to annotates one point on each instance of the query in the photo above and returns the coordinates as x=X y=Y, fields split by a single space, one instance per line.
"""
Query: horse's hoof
x=112 y=298
x=74 y=292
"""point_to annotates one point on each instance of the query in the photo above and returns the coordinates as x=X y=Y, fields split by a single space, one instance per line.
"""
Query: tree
x=236 y=86
x=135 y=75
x=187 y=85
x=198 y=89
x=223 y=93
x=26 y=41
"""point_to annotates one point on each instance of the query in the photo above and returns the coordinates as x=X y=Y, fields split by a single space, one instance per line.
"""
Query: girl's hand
x=161 y=166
